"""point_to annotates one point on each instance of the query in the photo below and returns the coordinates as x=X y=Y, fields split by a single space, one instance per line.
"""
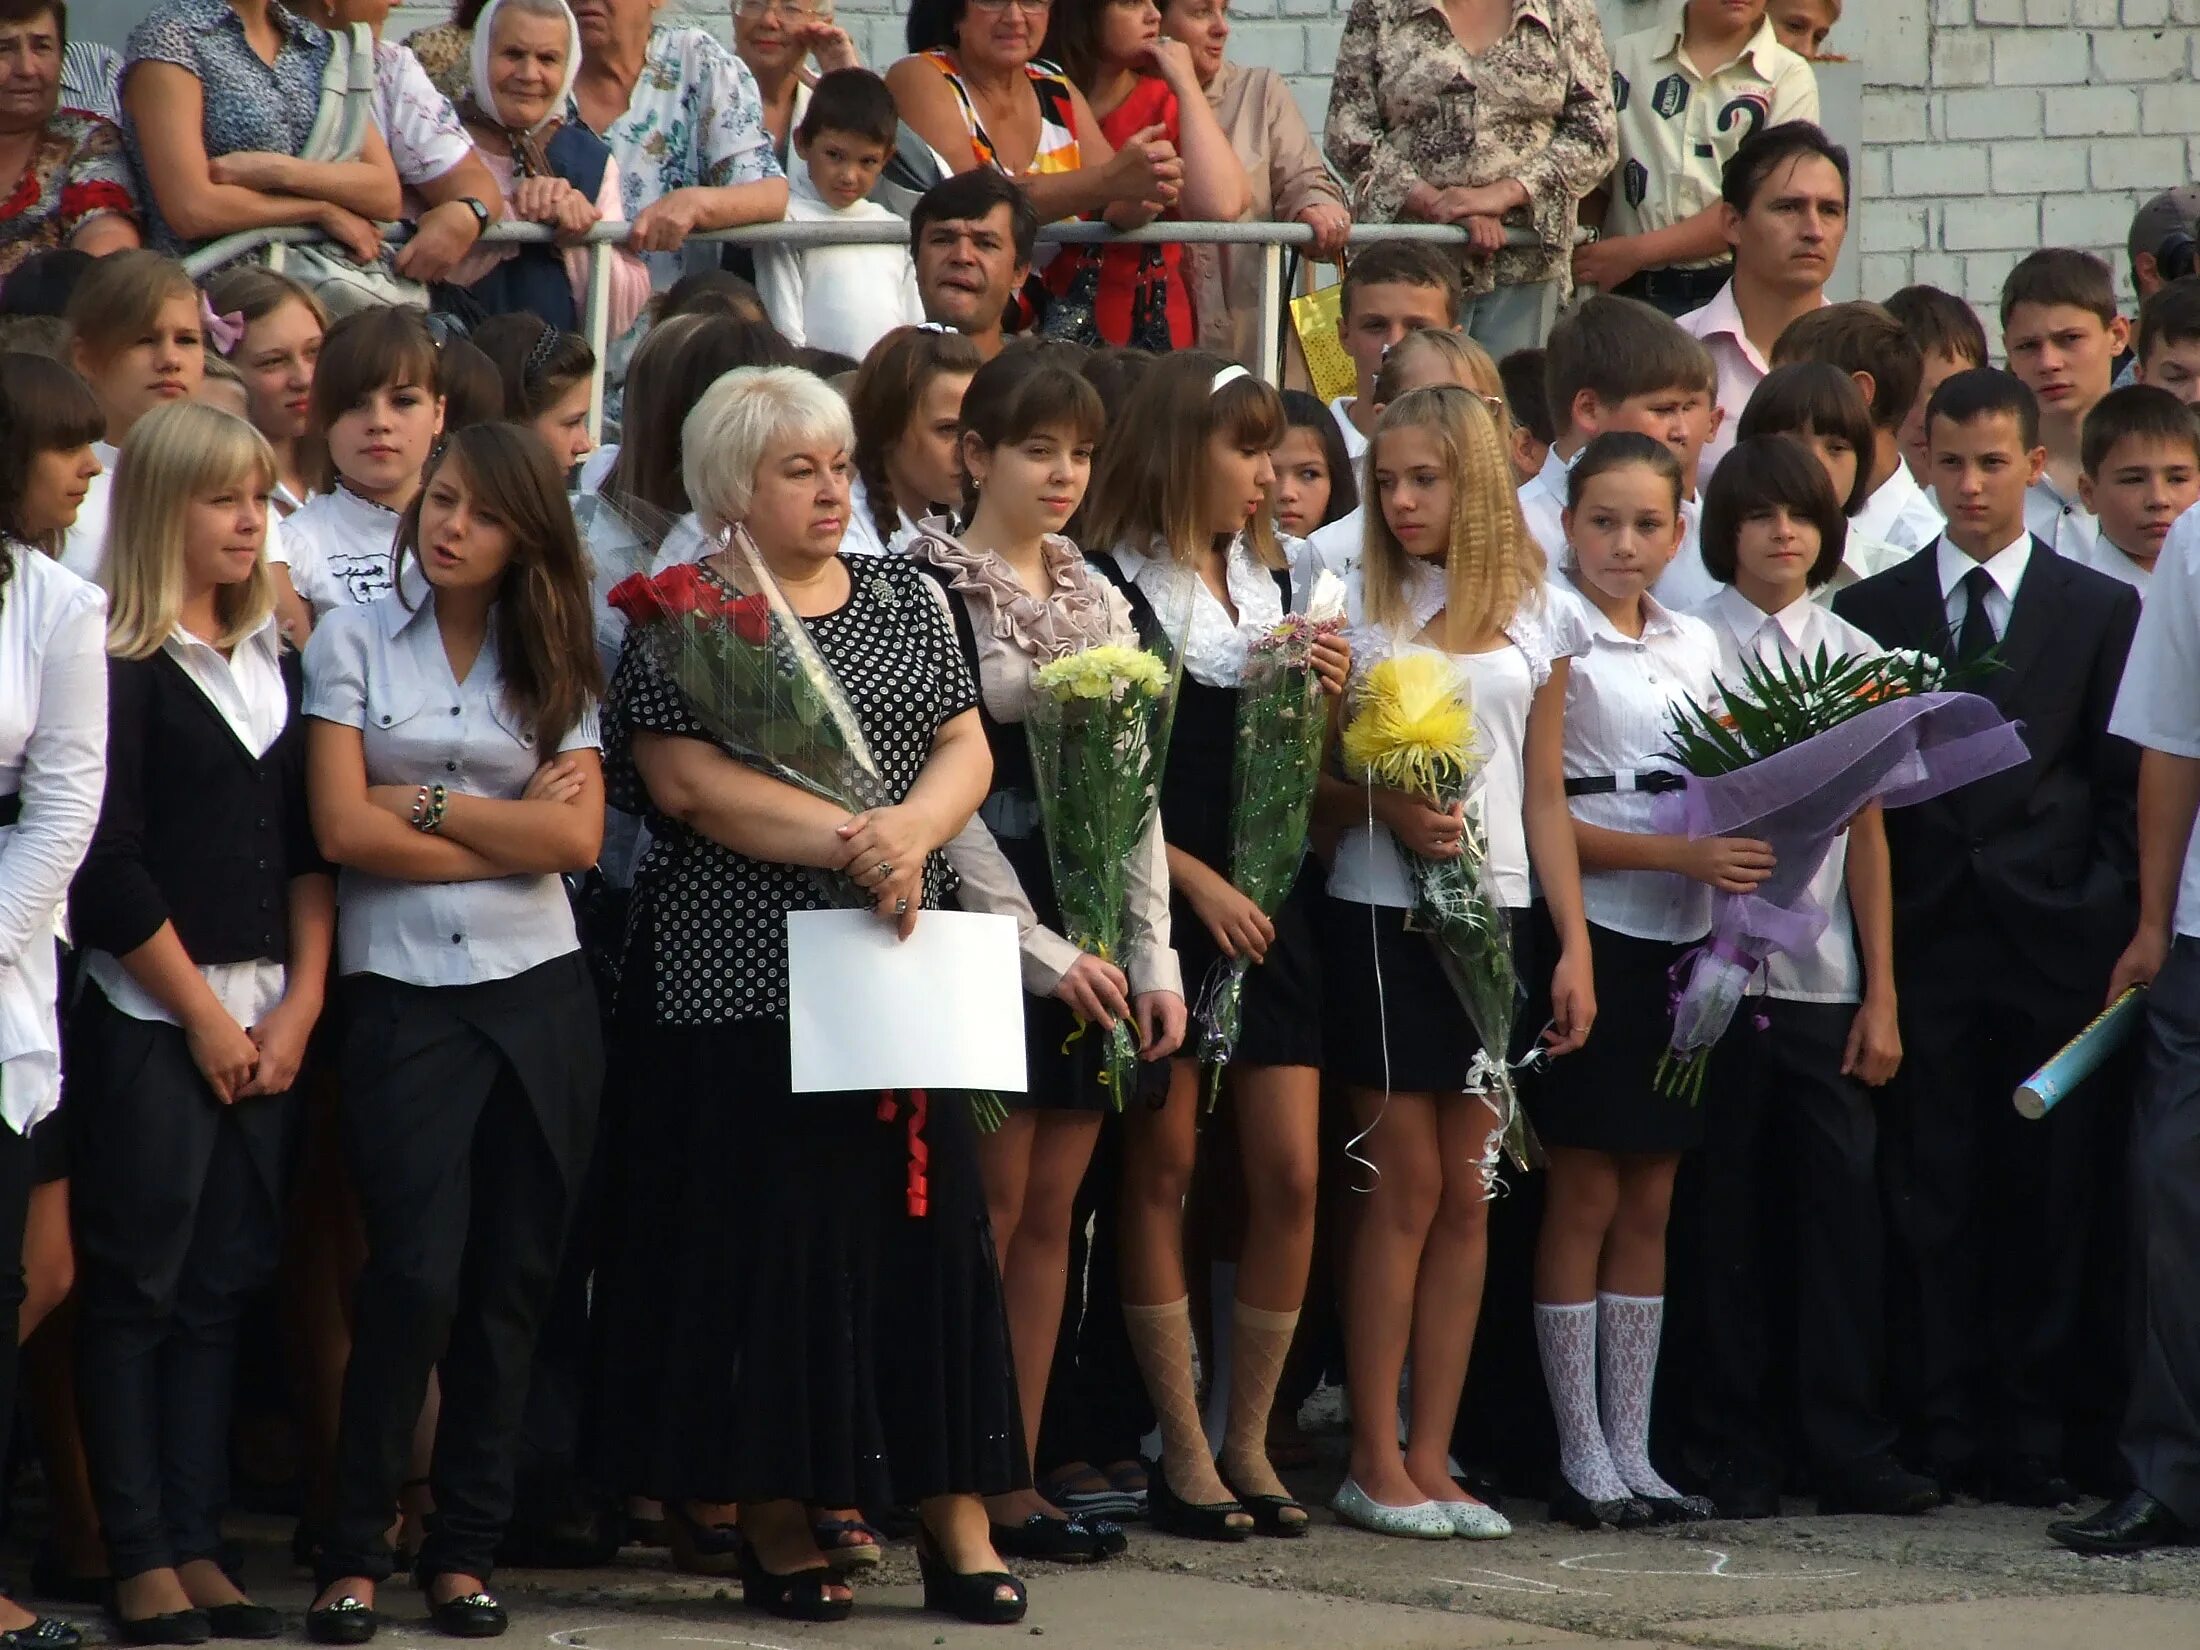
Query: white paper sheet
x=943 y=1009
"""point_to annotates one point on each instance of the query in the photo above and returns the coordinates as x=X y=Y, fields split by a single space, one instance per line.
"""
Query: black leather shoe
x=469 y=1616
x=45 y=1633
x=1679 y=1509
x=1106 y=1531
x=2032 y=1481
x=1053 y=1540
x=347 y=1621
x=245 y=1620
x=1570 y=1506
x=1878 y=1484
x=173 y=1627
x=2132 y=1525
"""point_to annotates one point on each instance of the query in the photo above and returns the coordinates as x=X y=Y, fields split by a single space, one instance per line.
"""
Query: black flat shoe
x=1171 y=1514
x=1269 y=1513
x=1050 y=1540
x=2135 y=1524
x=1570 y=1506
x=972 y=1598
x=475 y=1615
x=244 y=1620
x=1106 y=1531
x=347 y=1621
x=800 y=1596
x=174 y=1627
x=1679 y=1509
x=46 y=1633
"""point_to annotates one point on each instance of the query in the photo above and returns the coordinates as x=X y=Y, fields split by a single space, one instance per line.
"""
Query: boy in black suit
x=2013 y=897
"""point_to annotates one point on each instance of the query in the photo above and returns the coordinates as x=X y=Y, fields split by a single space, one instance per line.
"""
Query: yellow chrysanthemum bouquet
x=1412 y=730
x=1099 y=731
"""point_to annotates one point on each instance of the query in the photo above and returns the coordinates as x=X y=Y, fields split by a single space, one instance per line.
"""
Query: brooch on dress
x=882 y=591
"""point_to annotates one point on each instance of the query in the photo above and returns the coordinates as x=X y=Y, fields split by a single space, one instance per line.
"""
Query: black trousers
x=1677 y=291
x=1990 y=1215
x=1777 y=1225
x=467 y=1112
x=175 y=1204
x=2161 y=1438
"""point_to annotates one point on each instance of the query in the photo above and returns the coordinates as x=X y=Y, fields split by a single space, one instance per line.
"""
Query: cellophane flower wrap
x=1098 y=725
x=1282 y=733
x=1412 y=730
x=1799 y=750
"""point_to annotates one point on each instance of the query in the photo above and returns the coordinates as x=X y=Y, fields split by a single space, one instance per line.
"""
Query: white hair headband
x=1228 y=375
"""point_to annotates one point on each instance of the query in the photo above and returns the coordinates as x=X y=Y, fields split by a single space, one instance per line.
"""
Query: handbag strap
x=347 y=99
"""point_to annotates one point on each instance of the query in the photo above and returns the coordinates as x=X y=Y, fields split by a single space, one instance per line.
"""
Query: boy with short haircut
x=1949 y=340
x=1391 y=289
x=2013 y=896
x=840 y=298
x=2166 y=343
x=1522 y=375
x=1618 y=364
x=1687 y=93
x=1870 y=345
x=1802 y=25
x=2061 y=332
x=2142 y=471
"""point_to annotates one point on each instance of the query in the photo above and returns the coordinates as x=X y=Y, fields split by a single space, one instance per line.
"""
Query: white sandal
x=1423 y=1521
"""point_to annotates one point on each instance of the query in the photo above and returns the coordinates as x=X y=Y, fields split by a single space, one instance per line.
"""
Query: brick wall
x=1994 y=126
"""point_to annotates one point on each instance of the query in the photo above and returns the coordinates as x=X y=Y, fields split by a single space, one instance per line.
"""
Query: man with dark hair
x=2161 y=243
x=1785 y=196
x=2165 y=346
x=2012 y=897
x=972 y=238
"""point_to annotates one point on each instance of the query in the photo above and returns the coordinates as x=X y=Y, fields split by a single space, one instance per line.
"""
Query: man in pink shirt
x=1785 y=201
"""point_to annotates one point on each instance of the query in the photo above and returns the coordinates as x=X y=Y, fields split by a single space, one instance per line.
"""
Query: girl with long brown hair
x=907 y=406
x=1184 y=511
x=455 y=779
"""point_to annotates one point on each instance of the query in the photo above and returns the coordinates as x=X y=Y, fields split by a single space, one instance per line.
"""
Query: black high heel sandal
x=1268 y=1513
x=972 y=1598
x=800 y=1596
x=702 y=1549
x=1171 y=1514
x=1570 y=1506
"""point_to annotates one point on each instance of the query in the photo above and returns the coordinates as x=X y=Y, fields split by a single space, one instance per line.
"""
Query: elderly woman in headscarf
x=526 y=55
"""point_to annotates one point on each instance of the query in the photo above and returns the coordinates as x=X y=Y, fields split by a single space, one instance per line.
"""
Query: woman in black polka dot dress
x=787 y=1330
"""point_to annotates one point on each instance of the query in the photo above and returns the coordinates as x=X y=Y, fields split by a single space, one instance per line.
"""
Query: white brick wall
x=1995 y=126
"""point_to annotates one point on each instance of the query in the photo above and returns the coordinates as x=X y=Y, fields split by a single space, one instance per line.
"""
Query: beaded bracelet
x=428 y=807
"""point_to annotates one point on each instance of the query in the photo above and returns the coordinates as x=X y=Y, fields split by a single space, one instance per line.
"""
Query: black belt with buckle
x=1652 y=781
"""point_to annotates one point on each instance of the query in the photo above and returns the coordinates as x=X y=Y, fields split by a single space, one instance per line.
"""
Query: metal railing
x=606 y=238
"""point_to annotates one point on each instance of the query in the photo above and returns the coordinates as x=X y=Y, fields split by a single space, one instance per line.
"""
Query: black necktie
x=1977 y=638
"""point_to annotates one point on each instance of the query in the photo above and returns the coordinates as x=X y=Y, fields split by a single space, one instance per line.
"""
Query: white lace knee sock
x=1628 y=1329
x=1566 y=1336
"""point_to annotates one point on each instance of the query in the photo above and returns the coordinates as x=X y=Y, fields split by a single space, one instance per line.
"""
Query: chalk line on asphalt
x=1585 y=1563
x=1507 y=1582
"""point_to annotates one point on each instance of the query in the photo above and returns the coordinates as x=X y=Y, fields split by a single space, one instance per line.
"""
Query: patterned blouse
x=76 y=172
x=1057 y=150
x=1409 y=103
x=250 y=104
x=715 y=920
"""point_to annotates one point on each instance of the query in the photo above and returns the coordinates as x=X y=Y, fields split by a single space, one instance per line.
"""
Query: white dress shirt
x=53 y=756
x=381 y=669
x=1686 y=582
x=596 y=468
x=1355 y=444
x=1899 y=512
x=1368 y=868
x=343 y=550
x=840 y=298
x=1338 y=547
x=1830 y=971
x=246 y=688
x=862 y=536
x=2104 y=557
x=1620 y=698
x=2062 y=524
x=2159 y=704
x=1543 y=501
x=1741 y=368
x=2005 y=567
x=1861 y=557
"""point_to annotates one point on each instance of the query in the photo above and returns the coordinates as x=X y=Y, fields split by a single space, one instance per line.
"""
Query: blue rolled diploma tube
x=2082 y=1056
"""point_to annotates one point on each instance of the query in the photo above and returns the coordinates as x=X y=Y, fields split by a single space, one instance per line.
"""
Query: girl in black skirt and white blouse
x=1614 y=1140
x=1183 y=498
x=1023 y=596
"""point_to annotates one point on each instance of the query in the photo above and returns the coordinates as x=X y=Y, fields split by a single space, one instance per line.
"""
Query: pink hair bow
x=226 y=331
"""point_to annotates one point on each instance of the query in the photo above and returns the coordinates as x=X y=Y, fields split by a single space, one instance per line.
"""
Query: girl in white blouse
x=1796 y=1069
x=907 y=404
x=1614 y=1140
x=1185 y=502
x=1449 y=566
x=378 y=407
x=53 y=740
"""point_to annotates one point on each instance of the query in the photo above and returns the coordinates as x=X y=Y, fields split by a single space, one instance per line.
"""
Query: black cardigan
x=194 y=829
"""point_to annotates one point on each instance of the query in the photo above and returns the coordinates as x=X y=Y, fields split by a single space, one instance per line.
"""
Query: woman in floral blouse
x=63 y=179
x=1490 y=114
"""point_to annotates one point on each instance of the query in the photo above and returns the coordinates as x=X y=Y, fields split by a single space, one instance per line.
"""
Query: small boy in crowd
x=2142 y=471
x=1687 y=93
x=1949 y=340
x=841 y=298
x=2166 y=343
x=1802 y=25
x=1522 y=375
x=1391 y=289
x=1870 y=345
x=2062 y=334
x=1617 y=364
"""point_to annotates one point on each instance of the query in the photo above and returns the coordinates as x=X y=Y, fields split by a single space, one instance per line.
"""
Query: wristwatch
x=478 y=209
